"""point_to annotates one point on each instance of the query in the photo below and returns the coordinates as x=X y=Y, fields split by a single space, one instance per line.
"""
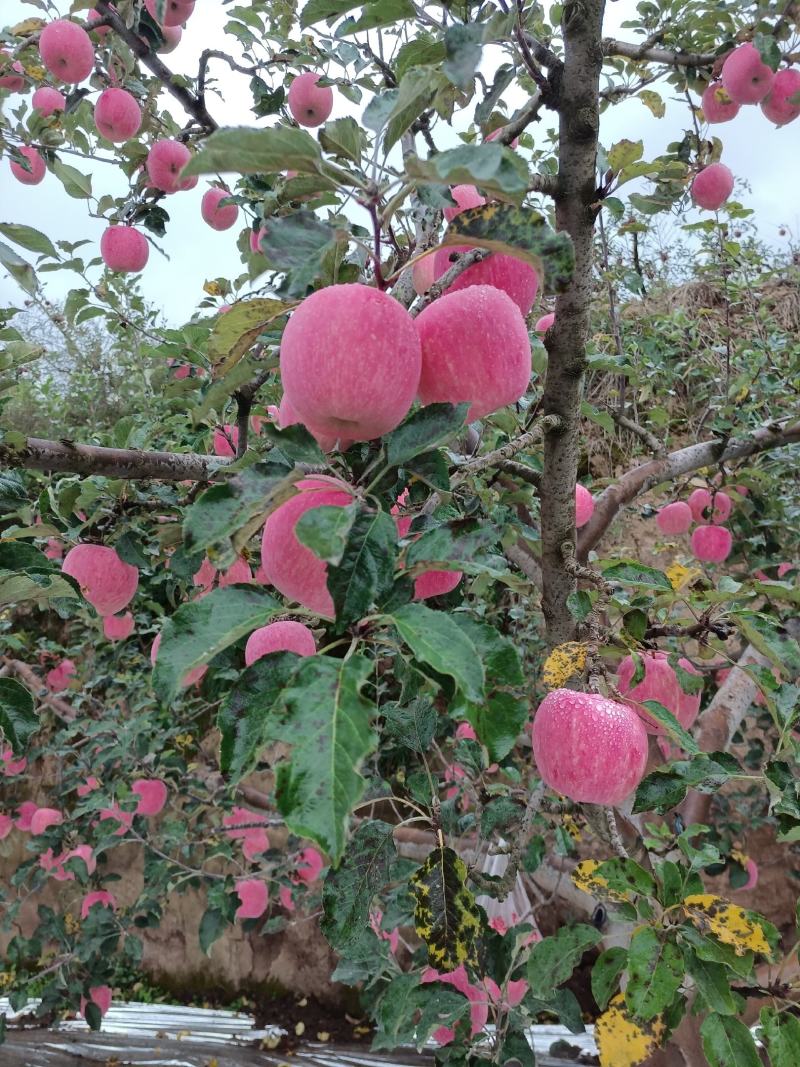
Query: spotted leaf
x=743 y=930
x=446 y=916
x=623 y=1041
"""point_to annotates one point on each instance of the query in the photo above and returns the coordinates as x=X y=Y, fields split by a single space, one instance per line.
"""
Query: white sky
x=766 y=158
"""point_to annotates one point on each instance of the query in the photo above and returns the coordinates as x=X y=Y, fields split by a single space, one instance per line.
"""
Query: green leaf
x=297 y=240
x=415 y=93
x=432 y=468
x=349 y=890
x=218 y=393
x=343 y=137
x=327 y=722
x=235 y=332
x=676 y=732
x=212 y=926
x=629 y=572
x=13 y=493
x=243 y=150
x=408 y=1013
x=608 y=966
x=762 y=632
x=325 y=530
x=245 y=718
x=666 y=786
x=712 y=982
x=93 y=1016
x=295 y=443
x=201 y=628
x=499 y=718
x=455 y=544
x=76 y=185
x=17 y=588
x=412 y=726
x=553 y=960
x=28 y=237
x=446 y=916
x=377 y=13
x=18 y=720
x=655 y=972
x=781 y=1034
x=321 y=10
x=464 y=48
x=496 y=169
x=437 y=640
x=365 y=572
x=225 y=516
x=423 y=430
x=727 y=1042
x=422 y=51
x=516 y=231
x=21 y=271
x=626 y=876
x=707 y=948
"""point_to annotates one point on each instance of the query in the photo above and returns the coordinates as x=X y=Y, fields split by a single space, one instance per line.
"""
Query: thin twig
x=547 y=424
x=464 y=261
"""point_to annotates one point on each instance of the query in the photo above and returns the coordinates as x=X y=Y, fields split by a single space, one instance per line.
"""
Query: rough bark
x=68 y=457
x=675 y=465
x=575 y=197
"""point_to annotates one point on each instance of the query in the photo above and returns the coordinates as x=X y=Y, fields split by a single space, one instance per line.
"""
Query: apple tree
x=328 y=612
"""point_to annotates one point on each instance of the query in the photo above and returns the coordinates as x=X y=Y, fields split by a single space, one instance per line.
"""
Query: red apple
x=590 y=748
x=350 y=362
x=475 y=348
x=292 y=568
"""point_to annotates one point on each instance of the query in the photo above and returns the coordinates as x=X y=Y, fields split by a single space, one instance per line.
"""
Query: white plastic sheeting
x=165 y=1035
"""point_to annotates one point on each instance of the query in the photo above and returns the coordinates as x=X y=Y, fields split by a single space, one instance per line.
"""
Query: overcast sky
x=766 y=158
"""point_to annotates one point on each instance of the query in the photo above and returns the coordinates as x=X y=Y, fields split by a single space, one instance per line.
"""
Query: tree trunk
x=575 y=197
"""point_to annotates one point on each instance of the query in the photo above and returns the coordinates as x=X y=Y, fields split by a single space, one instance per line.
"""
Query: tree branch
x=464 y=261
x=649 y=439
x=547 y=424
x=192 y=104
x=68 y=457
x=36 y=685
x=720 y=721
x=631 y=50
x=667 y=469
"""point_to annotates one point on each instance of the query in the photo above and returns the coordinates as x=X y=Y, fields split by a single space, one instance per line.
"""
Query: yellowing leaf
x=681 y=577
x=728 y=923
x=236 y=331
x=562 y=663
x=572 y=828
x=27 y=27
x=212 y=288
x=622 y=1041
x=654 y=102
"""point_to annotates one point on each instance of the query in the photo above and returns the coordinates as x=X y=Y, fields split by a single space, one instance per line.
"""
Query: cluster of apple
x=711 y=542
x=68 y=54
x=745 y=79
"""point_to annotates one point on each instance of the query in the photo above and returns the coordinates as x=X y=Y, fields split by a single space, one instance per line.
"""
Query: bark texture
x=69 y=457
x=579 y=123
